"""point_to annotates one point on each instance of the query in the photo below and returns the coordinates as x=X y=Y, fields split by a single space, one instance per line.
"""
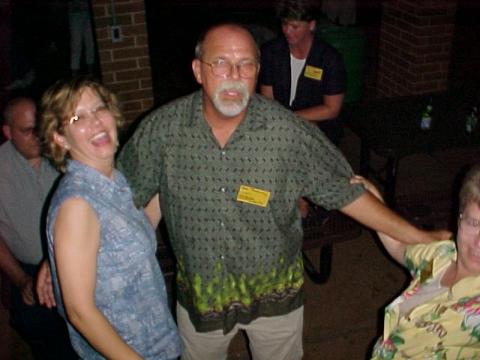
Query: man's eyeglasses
x=81 y=117
x=246 y=69
x=470 y=225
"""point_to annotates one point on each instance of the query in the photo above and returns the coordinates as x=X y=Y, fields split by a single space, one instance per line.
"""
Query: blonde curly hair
x=58 y=105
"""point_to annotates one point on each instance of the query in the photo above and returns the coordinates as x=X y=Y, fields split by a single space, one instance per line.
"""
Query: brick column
x=415 y=43
x=125 y=62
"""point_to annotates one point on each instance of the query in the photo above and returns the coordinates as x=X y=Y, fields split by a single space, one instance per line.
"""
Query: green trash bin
x=350 y=42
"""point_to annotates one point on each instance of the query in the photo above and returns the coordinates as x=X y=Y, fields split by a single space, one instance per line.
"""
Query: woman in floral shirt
x=438 y=315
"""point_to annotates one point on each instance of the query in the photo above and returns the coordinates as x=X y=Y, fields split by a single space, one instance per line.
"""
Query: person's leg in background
x=75 y=24
x=43 y=330
x=88 y=42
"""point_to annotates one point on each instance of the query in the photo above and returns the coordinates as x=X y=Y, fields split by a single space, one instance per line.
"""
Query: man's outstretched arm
x=369 y=211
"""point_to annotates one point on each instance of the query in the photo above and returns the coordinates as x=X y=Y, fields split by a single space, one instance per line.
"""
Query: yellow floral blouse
x=444 y=327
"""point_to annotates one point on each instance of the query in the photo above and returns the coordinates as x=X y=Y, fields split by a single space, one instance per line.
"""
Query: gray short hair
x=11 y=105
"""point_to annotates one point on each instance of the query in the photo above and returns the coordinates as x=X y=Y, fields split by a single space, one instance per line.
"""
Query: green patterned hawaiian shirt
x=231 y=212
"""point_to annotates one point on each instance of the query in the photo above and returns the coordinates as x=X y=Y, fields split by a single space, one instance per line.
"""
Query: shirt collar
x=97 y=180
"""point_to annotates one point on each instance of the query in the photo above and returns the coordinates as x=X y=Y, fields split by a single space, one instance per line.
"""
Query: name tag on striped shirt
x=253 y=196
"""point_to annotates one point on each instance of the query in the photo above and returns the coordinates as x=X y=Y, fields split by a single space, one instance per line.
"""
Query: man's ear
x=196 y=67
x=6 y=132
x=312 y=25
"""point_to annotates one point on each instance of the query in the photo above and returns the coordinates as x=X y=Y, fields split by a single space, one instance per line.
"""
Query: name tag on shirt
x=253 y=196
x=313 y=72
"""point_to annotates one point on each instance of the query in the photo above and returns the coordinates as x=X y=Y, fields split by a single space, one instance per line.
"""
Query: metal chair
x=322 y=228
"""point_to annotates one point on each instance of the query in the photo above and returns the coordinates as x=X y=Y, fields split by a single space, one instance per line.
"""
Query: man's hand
x=18 y=277
x=26 y=289
x=436 y=235
x=304 y=207
x=44 y=286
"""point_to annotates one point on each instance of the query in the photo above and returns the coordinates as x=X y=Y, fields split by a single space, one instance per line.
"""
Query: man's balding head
x=20 y=128
x=223 y=30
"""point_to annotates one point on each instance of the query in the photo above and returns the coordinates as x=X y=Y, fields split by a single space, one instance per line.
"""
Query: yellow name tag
x=313 y=72
x=253 y=196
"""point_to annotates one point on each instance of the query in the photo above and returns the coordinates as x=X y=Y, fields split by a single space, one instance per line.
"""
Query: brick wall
x=415 y=46
x=125 y=65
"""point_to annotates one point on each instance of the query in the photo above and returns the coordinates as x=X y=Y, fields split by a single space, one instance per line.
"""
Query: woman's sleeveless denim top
x=130 y=289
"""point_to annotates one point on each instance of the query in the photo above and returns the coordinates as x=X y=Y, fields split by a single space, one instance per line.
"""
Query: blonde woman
x=107 y=282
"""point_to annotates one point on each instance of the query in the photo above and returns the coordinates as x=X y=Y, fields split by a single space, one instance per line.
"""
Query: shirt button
x=223 y=153
x=222 y=257
x=222 y=224
x=222 y=189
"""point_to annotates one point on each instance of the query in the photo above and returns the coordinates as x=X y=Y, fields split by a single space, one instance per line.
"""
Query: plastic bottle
x=426 y=122
x=472 y=120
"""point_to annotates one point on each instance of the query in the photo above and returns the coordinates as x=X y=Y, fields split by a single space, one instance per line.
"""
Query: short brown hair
x=58 y=104
x=297 y=10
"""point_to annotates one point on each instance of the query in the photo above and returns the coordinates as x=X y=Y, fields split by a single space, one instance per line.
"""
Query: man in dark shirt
x=303 y=72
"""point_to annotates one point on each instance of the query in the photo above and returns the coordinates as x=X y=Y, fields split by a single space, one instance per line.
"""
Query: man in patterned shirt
x=229 y=166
